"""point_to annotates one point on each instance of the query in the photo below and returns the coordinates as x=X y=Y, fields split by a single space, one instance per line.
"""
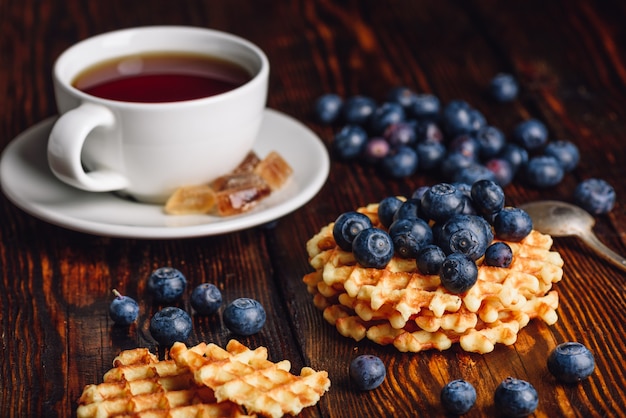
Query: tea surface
x=161 y=77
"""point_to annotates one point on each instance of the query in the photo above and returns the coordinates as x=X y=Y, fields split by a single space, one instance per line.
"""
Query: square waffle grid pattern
x=400 y=306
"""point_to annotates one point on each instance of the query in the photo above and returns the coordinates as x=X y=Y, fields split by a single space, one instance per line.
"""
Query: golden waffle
x=248 y=378
x=141 y=386
x=398 y=305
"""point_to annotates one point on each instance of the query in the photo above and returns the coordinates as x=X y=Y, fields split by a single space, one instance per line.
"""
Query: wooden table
x=570 y=60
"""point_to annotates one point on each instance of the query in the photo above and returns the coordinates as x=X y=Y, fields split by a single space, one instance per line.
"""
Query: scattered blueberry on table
x=244 y=316
x=167 y=284
x=367 y=372
x=458 y=397
x=596 y=196
x=571 y=362
x=206 y=299
x=123 y=310
x=503 y=87
x=515 y=398
x=169 y=325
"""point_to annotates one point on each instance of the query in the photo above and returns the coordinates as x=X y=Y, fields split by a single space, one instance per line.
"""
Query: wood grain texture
x=570 y=58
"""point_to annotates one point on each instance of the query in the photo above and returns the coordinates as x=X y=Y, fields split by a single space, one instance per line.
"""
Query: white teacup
x=147 y=150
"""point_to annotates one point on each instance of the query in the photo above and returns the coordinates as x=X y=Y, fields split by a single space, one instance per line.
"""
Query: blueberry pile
x=167 y=285
x=446 y=228
x=410 y=132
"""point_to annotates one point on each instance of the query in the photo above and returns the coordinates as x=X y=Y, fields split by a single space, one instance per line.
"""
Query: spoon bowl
x=561 y=219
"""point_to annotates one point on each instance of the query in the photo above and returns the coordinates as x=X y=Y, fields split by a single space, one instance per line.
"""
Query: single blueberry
x=123 y=310
x=488 y=197
x=503 y=88
x=375 y=150
x=457 y=118
x=458 y=397
x=473 y=173
x=428 y=130
x=386 y=114
x=515 y=398
x=349 y=142
x=170 y=325
x=409 y=235
x=516 y=155
x=530 y=134
x=358 y=109
x=425 y=106
x=367 y=372
x=206 y=299
x=400 y=133
x=499 y=254
x=512 y=224
x=596 y=196
x=466 y=234
x=402 y=95
x=167 y=284
x=458 y=273
x=347 y=226
x=453 y=163
x=409 y=209
x=373 y=248
x=543 y=171
x=430 y=154
x=401 y=162
x=387 y=209
x=244 y=316
x=502 y=170
x=328 y=108
x=491 y=141
x=566 y=153
x=571 y=362
x=419 y=192
x=441 y=201
x=429 y=259
x=465 y=145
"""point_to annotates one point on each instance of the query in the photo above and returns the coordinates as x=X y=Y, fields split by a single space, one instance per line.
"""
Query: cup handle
x=66 y=142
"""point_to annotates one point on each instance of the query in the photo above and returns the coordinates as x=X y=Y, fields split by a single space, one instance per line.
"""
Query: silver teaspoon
x=561 y=219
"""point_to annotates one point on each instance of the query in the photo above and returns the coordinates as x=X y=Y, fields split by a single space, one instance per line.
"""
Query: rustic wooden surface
x=570 y=58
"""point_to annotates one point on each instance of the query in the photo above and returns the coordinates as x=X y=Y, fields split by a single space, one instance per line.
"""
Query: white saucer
x=28 y=182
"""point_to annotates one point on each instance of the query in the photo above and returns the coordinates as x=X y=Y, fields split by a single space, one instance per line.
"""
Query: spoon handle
x=602 y=250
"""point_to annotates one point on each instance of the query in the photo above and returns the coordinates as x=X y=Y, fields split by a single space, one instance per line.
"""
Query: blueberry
x=503 y=88
x=453 y=163
x=367 y=372
x=358 y=109
x=123 y=309
x=401 y=162
x=457 y=118
x=515 y=398
x=419 y=192
x=465 y=145
x=386 y=114
x=571 y=362
x=328 y=108
x=512 y=224
x=491 y=141
x=544 y=171
x=244 y=316
x=499 y=254
x=387 y=208
x=347 y=226
x=473 y=173
x=375 y=150
x=409 y=235
x=430 y=154
x=441 y=201
x=167 y=284
x=170 y=325
x=596 y=196
x=488 y=197
x=409 y=209
x=206 y=299
x=400 y=133
x=502 y=171
x=466 y=234
x=425 y=106
x=458 y=273
x=565 y=152
x=530 y=134
x=402 y=95
x=373 y=248
x=458 y=397
x=428 y=130
x=349 y=142
x=429 y=259
x=516 y=155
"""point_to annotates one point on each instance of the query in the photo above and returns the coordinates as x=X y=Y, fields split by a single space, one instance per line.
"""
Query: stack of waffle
x=398 y=305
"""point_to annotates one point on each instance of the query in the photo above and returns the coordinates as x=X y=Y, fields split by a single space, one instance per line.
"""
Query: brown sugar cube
x=238 y=194
x=274 y=170
x=191 y=199
x=248 y=164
